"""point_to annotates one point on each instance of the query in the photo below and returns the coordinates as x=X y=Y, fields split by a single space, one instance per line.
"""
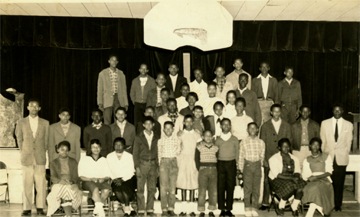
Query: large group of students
x=197 y=136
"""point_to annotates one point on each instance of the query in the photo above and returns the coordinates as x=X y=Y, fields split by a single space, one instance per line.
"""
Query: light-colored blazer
x=340 y=149
x=56 y=135
x=104 y=92
x=31 y=147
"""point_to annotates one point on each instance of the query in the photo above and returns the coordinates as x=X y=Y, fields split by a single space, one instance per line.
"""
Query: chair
x=4 y=177
x=275 y=201
x=89 y=206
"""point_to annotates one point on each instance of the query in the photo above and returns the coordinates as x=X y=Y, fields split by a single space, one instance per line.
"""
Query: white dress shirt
x=34 y=123
x=242 y=90
x=173 y=79
x=149 y=138
x=218 y=125
x=65 y=128
x=288 y=81
x=199 y=88
x=207 y=104
x=239 y=126
x=265 y=84
x=181 y=102
x=229 y=111
x=339 y=122
x=276 y=125
x=121 y=125
x=143 y=80
x=121 y=168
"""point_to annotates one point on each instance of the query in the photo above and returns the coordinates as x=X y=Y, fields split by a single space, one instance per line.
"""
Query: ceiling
x=310 y=10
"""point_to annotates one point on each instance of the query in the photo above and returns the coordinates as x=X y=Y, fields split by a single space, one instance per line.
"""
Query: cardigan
x=55 y=170
x=276 y=165
x=135 y=90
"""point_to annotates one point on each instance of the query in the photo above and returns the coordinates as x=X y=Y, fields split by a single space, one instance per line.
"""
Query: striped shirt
x=114 y=81
x=169 y=147
x=251 y=150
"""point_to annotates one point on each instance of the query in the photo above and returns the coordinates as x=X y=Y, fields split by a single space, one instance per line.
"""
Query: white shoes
x=254 y=213
x=248 y=214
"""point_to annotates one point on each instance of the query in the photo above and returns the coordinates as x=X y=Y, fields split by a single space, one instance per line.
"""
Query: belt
x=147 y=160
x=267 y=99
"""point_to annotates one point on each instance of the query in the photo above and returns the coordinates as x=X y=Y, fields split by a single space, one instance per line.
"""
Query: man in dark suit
x=122 y=128
x=32 y=137
x=213 y=122
x=271 y=132
x=174 y=80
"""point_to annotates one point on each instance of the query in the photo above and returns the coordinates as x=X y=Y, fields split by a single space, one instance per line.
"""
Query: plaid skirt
x=285 y=188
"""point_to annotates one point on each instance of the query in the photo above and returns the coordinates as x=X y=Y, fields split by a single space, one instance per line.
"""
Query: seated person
x=317 y=169
x=65 y=180
x=285 y=178
x=121 y=165
x=191 y=99
x=94 y=173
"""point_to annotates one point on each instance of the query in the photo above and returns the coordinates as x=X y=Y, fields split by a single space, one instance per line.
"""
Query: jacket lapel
x=60 y=130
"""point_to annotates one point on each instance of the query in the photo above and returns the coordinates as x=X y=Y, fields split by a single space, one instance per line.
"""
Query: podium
x=356 y=120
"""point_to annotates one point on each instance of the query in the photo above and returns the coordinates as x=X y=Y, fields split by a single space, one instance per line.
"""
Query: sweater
x=205 y=155
x=228 y=150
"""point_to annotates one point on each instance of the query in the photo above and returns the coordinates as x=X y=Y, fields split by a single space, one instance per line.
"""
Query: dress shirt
x=173 y=79
x=199 y=88
x=339 y=122
x=265 y=84
x=97 y=126
x=65 y=127
x=181 y=102
x=121 y=125
x=158 y=95
x=143 y=80
x=288 y=81
x=239 y=126
x=225 y=137
x=90 y=168
x=34 y=123
x=218 y=125
x=276 y=125
x=304 y=132
x=229 y=111
x=169 y=147
x=242 y=90
x=207 y=104
x=149 y=138
x=121 y=168
x=114 y=81
x=251 y=149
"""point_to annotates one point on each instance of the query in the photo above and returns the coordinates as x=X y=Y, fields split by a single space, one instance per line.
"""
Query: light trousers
x=34 y=174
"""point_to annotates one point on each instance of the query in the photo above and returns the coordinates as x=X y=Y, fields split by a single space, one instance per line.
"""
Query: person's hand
x=312 y=178
x=101 y=107
x=180 y=133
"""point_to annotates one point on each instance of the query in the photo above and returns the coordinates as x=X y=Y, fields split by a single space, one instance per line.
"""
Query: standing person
x=223 y=86
x=233 y=77
x=302 y=131
x=198 y=85
x=162 y=109
x=171 y=115
x=337 y=134
x=149 y=112
x=32 y=137
x=154 y=95
x=174 y=80
x=271 y=132
x=240 y=122
x=122 y=128
x=98 y=130
x=290 y=96
x=111 y=90
x=145 y=155
x=252 y=104
x=208 y=102
x=64 y=130
x=181 y=100
x=140 y=87
x=188 y=174
x=206 y=162
x=252 y=154
x=213 y=122
x=266 y=88
x=199 y=119
x=191 y=99
x=229 y=109
x=227 y=167
x=169 y=147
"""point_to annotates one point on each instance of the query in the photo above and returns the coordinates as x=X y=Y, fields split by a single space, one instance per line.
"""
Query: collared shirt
x=229 y=111
x=121 y=125
x=217 y=120
x=304 y=132
x=251 y=149
x=288 y=81
x=276 y=125
x=173 y=79
x=220 y=83
x=199 y=88
x=34 y=123
x=90 y=168
x=242 y=90
x=239 y=126
x=149 y=138
x=121 y=168
x=158 y=95
x=207 y=104
x=143 y=80
x=181 y=102
x=169 y=147
x=114 y=81
x=233 y=78
x=265 y=84
x=225 y=137
x=65 y=127
x=339 y=122
x=97 y=126
x=207 y=152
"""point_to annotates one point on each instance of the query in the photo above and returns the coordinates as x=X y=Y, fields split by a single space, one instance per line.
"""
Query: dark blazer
x=152 y=97
x=135 y=90
x=129 y=134
x=55 y=171
x=103 y=134
x=179 y=81
x=156 y=129
x=252 y=108
x=209 y=123
x=296 y=131
x=141 y=149
x=30 y=146
x=290 y=93
x=272 y=90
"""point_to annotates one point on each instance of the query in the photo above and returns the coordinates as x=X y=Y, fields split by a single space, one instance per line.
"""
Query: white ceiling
x=311 y=10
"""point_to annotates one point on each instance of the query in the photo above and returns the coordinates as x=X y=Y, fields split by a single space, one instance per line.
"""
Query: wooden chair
x=4 y=178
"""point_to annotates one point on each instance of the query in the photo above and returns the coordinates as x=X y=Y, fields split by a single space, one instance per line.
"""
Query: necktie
x=336 y=131
x=218 y=120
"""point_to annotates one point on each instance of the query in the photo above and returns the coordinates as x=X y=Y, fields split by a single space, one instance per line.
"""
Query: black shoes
x=150 y=214
x=211 y=214
x=222 y=213
x=192 y=214
x=26 y=213
x=202 y=214
x=264 y=207
x=133 y=213
x=171 y=213
x=337 y=209
x=40 y=212
x=182 y=214
x=229 y=214
x=295 y=213
x=279 y=212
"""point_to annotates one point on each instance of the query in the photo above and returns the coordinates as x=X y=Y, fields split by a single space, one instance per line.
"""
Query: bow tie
x=173 y=117
x=218 y=120
x=97 y=126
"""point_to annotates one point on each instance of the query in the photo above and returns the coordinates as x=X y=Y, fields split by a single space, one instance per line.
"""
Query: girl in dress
x=229 y=109
x=188 y=173
x=198 y=115
x=317 y=169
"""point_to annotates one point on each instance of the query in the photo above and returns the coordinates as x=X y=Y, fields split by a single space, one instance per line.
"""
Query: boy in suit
x=122 y=128
x=223 y=86
x=111 y=90
x=198 y=85
x=154 y=95
x=233 y=77
x=145 y=155
x=172 y=115
x=337 y=134
x=266 y=88
x=140 y=87
x=64 y=130
x=32 y=137
x=149 y=112
x=212 y=122
x=174 y=80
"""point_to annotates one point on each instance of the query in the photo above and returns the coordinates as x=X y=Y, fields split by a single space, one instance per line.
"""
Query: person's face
x=289 y=73
x=226 y=126
x=198 y=75
x=95 y=149
x=264 y=68
x=276 y=112
x=338 y=112
x=119 y=147
x=211 y=90
x=148 y=125
x=285 y=148
x=252 y=130
x=120 y=115
x=113 y=61
x=143 y=69
x=33 y=108
x=191 y=100
x=185 y=90
x=305 y=113
x=238 y=64
x=164 y=96
x=64 y=117
x=168 y=130
x=219 y=72
x=160 y=80
x=171 y=107
x=198 y=113
x=63 y=151
x=96 y=117
x=315 y=147
x=208 y=138
x=218 y=110
x=243 y=81
x=173 y=69
x=149 y=113
x=188 y=122
x=239 y=107
x=231 y=98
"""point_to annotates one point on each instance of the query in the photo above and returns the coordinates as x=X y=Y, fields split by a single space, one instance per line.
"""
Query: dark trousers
x=139 y=109
x=207 y=182
x=226 y=184
x=110 y=111
x=252 y=179
x=338 y=178
x=148 y=175
x=266 y=193
x=289 y=112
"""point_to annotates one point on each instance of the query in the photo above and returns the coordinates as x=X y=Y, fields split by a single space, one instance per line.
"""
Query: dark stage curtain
x=58 y=59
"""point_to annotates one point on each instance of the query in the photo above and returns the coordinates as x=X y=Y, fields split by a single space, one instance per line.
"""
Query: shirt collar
x=34 y=119
x=221 y=79
x=173 y=76
x=289 y=81
x=276 y=122
x=96 y=125
x=304 y=121
x=121 y=124
x=334 y=119
x=111 y=71
x=260 y=76
x=143 y=78
x=65 y=125
x=147 y=135
x=225 y=136
x=242 y=90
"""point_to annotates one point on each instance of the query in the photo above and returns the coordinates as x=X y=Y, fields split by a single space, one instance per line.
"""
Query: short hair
x=144 y=64
x=198 y=69
x=161 y=74
x=150 y=107
x=304 y=106
x=316 y=139
x=96 y=110
x=244 y=75
x=95 y=141
x=265 y=62
x=169 y=123
x=148 y=118
x=171 y=99
x=120 y=109
x=276 y=105
x=165 y=90
x=184 y=85
x=229 y=92
x=193 y=94
x=219 y=66
x=198 y=107
x=218 y=103
x=282 y=141
x=188 y=116
x=338 y=104
x=208 y=131
x=34 y=100
x=240 y=99
x=238 y=58
x=64 y=109
x=113 y=55
x=63 y=143
x=172 y=63
x=288 y=67
x=212 y=83
x=119 y=139
x=253 y=123
x=225 y=119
